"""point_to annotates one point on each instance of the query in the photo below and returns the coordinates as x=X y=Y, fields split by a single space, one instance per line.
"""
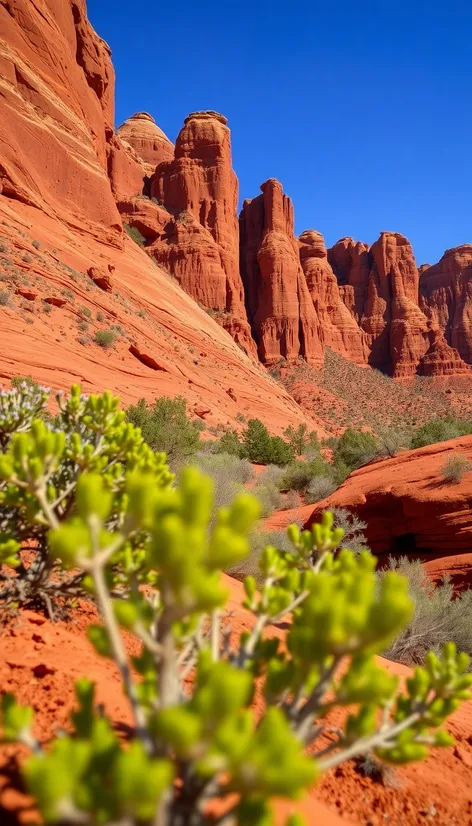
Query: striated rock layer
x=57 y=112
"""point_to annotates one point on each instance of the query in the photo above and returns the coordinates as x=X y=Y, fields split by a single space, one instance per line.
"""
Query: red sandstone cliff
x=57 y=110
x=280 y=309
x=337 y=326
x=200 y=246
x=446 y=288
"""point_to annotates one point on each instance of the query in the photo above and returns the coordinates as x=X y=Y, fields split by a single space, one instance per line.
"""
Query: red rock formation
x=280 y=308
x=126 y=171
x=149 y=142
x=56 y=102
x=408 y=505
x=446 y=288
x=351 y=264
x=201 y=247
x=337 y=328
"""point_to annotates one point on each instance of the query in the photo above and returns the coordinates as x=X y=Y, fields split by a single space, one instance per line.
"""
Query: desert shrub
x=258 y=541
x=85 y=311
x=105 y=338
x=269 y=497
x=262 y=448
x=229 y=443
x=440 y=430
x=391 y=440
x=272 y=475
x=135 y=235
x=290 y=500
x=224 y=465
x=100 y=316
x=439 y=615
x=353 y=529
x=298 y=475
x=4 y=298
x=196 y=742
x=36 y=245
x=300 y=439
x=455 y=467
x=319 y=488
x=356 y=448
x=166 y=427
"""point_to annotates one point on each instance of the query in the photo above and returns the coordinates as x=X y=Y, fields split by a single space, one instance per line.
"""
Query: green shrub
x=166 y=427
x=439 y=615
x=106 y=512
x=262 y=448
x=229 y=443
x=355 y=448
x=298 y=475
x=353 y=529
x=300 y=440
x=440 y=430
x=135 y=235
x=86 y=311
x=105 y=338
x=455 y=467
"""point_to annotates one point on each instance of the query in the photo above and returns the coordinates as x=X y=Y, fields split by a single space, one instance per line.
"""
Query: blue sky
x=362 y=109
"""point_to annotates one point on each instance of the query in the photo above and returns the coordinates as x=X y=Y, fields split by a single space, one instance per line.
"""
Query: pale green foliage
x=41 y=462
x=439 y=615
x=455 y=467
x=199 y=740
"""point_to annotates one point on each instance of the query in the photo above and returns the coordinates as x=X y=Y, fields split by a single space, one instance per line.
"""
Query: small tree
x=256 y=442
x=166 y=427
x=299 y=439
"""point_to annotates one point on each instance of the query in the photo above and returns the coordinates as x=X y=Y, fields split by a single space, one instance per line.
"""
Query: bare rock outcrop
x=334 y=305
x=280 y=308
x=151 y=145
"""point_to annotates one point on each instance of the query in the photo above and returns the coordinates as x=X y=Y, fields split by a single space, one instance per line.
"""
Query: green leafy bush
x=199 y=741
x=455 y=467
x=355 y=448
x=262 y=448
x=230 y=443
x=440 y=430
x=105 y=338
x=40 y=463
x=165 y=426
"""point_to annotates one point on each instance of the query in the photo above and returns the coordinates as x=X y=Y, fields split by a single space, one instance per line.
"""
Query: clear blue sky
x=362 y=109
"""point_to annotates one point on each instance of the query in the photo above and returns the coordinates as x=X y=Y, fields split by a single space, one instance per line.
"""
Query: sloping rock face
x=446 y=288
x=149 y=142
x=200 y=248
x=57 y=111
x=280 y=309
x=334 y=305
x=408 y=505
